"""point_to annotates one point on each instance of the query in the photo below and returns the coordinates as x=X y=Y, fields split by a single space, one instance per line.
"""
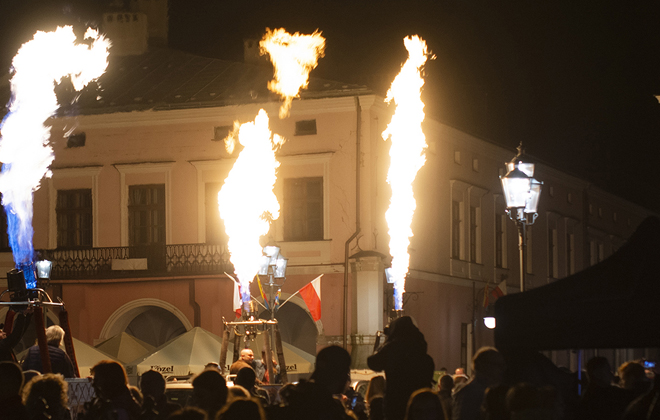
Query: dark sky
x=573 y=79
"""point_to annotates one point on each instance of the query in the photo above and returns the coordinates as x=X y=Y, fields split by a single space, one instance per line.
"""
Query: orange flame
x=406 y=157
x=246 y=201
x=293 y=57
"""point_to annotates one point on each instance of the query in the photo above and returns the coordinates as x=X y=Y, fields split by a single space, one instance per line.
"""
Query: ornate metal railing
x=148 y=261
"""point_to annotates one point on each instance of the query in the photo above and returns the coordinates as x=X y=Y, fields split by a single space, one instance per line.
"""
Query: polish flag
x=500 y=290
x=237 y=299
x=495 y=293
x=311 y=294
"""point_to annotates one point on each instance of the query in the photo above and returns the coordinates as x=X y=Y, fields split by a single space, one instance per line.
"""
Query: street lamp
x=273 y=264
x=522 y=193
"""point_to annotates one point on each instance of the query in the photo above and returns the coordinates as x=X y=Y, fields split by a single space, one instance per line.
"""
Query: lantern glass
x=264 y=263
x=534 y=196
x=389 y=275
x=272 y=252
x=43 y=269
x=280 y=268
x=516 y=186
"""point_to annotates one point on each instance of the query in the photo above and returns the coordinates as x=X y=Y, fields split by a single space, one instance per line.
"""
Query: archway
x=151 y=320
x=296 y=326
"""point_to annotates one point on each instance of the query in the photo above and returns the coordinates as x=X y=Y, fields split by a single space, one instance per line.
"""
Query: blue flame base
x=398 y=298
x=29 y=274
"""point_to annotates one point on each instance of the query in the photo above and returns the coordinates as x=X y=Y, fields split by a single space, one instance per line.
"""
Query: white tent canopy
x=188 y=353
x=125 y=347
x=184 y=355
x=298 y=362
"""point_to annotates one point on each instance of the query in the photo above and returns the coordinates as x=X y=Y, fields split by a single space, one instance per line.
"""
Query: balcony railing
x=145 y=261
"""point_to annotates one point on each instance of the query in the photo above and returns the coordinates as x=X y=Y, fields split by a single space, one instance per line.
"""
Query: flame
x=293 y=57
x=406 y=157
x=246 y=201
x=24 y=146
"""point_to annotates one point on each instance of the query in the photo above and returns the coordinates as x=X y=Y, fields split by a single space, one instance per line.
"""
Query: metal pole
x=269 y=357
x=522 y=230
x=223 y=348
x=280 y=354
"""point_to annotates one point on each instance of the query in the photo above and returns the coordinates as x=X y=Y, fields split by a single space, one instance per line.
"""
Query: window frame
x=288 y=210
x=75 y=211
x=149 y=208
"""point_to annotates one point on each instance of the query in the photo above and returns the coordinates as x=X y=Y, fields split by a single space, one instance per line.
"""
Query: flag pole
x=251 y=296
x=298 y=291
x=288 y=299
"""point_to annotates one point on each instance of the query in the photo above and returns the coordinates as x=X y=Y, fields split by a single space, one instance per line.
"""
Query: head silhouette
x=333 y=366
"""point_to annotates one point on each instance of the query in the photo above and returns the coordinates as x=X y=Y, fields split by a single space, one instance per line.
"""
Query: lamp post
x=273 y=264
x=522 y=193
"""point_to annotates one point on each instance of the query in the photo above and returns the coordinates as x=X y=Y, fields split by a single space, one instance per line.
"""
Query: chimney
x=127 y=32
x=157 y=14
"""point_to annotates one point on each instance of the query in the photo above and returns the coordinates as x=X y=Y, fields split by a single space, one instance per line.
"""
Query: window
x=464 y=345
x=593 y=252
x=552 y=253
x=305 y=127
x=303 y=209
x=457 y=156
x=474 y=226
x=221 y=132
x=456 y=230
x=146 y=214
x=499 y=240
x=76 y=140
x=570 y=253
x=215 y=227
x=475 y=165
x=74 y=218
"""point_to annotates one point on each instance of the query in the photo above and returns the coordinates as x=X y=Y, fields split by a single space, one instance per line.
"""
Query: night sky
x=573 y=79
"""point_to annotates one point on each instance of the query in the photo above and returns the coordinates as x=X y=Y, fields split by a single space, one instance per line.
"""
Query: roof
x=170 y=79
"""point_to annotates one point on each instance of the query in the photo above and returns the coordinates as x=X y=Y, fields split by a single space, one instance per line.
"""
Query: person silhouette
x=405 y=362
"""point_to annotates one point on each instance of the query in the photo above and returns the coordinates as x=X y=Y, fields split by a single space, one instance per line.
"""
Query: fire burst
x=406 y=157
x=24 y=147
x=293 y=57
x=247 y=202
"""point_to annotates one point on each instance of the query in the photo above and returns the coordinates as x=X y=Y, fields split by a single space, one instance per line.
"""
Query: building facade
x=130 y=216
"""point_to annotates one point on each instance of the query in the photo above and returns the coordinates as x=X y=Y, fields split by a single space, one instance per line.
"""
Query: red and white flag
x=311 y=294
x=495 y=293
x=237 y=299
x=500 y=290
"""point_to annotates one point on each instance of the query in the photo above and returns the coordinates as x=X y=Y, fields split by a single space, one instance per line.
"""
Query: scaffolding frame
x=254 y=327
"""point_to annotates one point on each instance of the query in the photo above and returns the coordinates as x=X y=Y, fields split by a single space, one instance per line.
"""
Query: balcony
x=144 y=261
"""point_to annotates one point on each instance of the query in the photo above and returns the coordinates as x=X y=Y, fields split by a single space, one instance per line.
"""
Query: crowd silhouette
x=501 y=386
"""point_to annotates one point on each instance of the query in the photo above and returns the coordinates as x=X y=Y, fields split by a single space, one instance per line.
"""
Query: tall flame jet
x=246 y=201
x=406 y=158
x=24 y=146
x=293 y=57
